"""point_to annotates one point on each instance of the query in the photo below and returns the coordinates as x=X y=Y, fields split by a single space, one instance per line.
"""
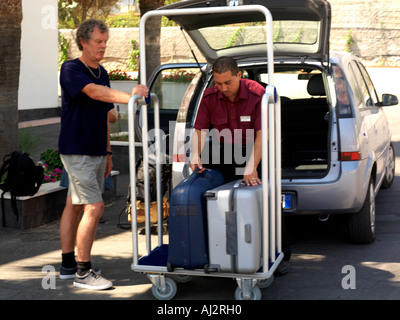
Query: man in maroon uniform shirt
x=233 y=107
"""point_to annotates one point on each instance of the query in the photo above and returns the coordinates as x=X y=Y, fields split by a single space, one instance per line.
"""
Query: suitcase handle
x=197 y=169
x=206 y=174
x=239 y=183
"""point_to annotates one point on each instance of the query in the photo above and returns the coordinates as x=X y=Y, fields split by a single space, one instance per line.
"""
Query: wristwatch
x=109 y=153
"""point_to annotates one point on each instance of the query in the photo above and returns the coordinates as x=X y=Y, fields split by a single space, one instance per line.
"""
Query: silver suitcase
x=234 y=215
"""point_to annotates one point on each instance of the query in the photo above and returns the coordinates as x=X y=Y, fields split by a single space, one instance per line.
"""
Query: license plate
x=287 y=201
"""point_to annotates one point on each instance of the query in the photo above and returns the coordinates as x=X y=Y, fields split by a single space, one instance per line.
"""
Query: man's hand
x=141 y=90
x=251 y=179
x=196 y=163
x=109 y=166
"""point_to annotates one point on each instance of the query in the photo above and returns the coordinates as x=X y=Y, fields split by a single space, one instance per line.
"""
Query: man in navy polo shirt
x=84 y=147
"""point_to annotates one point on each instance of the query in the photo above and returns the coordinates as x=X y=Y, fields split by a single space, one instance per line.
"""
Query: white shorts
x=86 y=177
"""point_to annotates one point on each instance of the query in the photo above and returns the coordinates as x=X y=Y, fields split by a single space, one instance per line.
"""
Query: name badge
x=245 y=118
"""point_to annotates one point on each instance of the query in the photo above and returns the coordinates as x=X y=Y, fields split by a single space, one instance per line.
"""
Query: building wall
x=374 y=26
x=39 y=56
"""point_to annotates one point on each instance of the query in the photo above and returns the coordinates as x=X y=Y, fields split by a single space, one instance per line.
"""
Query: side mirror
x=389 y=100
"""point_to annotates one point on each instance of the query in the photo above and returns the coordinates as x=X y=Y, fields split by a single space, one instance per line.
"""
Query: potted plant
x=52 y=165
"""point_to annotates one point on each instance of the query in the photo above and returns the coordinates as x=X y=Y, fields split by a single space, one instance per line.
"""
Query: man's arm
x=105 y=94
x=198 y=140
x=109 y=163
x=112 y=115
x=250 y=176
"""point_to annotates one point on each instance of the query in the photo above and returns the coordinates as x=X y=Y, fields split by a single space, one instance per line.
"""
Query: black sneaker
x=91 y=280
x=69 y=273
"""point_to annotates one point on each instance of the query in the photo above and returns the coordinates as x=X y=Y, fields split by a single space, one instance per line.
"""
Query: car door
x=381 y=124
x=372 y=118
x=169 y=82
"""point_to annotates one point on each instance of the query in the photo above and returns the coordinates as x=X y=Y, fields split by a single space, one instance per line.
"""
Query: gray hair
x=85 y=30
x=225 y=64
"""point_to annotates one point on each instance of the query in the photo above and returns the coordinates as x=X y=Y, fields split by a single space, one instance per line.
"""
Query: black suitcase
x=188 y=237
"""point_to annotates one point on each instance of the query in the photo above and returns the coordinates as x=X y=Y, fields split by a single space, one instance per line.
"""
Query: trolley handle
x=133 y=106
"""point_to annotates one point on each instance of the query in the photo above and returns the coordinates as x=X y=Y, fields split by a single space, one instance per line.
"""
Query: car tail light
x=350 y=156
x=179 y=158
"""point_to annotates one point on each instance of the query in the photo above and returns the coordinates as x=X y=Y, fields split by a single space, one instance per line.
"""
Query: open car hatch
x=301 y=29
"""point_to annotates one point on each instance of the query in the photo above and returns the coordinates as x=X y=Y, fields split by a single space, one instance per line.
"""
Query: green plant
x=28 y=139
x=233 y=38
x=133 y=56
x=349 y=41
x=123 y=20
x=52 y=165
x=277 y=34
x=298 y=35
x=119 y=75
x=178 y=76
x=63 y=50
x=119 y=137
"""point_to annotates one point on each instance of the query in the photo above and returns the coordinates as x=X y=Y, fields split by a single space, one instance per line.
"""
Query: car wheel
x=362 y=223
x=390 y=169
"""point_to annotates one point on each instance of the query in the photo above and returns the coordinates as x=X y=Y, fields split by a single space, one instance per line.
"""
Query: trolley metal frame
x=164 y=287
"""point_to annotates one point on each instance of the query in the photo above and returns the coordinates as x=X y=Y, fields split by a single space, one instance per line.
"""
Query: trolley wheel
x=165 y=294
x=255 y=294
x=265 y=283
x=182 y=278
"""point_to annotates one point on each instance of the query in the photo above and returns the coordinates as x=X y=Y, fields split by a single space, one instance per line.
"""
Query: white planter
x=43 y=207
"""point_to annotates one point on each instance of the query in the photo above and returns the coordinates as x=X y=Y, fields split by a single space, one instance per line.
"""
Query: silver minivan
x=336 y=150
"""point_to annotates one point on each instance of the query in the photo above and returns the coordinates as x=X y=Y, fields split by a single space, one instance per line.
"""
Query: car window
x=170 y=87
x=187 y=107
x=370 y=85
x=353 y=86
x=241 y=34
x=363 y=92
x=290 y=84
x=342 y=95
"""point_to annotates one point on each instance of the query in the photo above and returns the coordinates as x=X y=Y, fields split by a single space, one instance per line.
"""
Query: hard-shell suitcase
x=234 y=213
x=188 y=239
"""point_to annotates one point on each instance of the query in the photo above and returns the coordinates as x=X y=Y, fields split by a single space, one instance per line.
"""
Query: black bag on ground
x=166 y=171
x=165 y=177
x=20 y=176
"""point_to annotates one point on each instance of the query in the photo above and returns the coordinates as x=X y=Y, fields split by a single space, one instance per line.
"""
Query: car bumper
x=345 y=194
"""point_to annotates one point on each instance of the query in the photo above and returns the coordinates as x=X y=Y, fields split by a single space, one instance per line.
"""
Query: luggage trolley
x=162 y=278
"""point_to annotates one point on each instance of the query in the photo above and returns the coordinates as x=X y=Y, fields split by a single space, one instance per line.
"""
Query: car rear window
x=291 y=83
x=241 y=34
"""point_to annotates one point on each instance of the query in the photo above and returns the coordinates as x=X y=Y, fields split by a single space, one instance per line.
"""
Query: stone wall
x=372 y=25
x=375 y=29
x=173 y=46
